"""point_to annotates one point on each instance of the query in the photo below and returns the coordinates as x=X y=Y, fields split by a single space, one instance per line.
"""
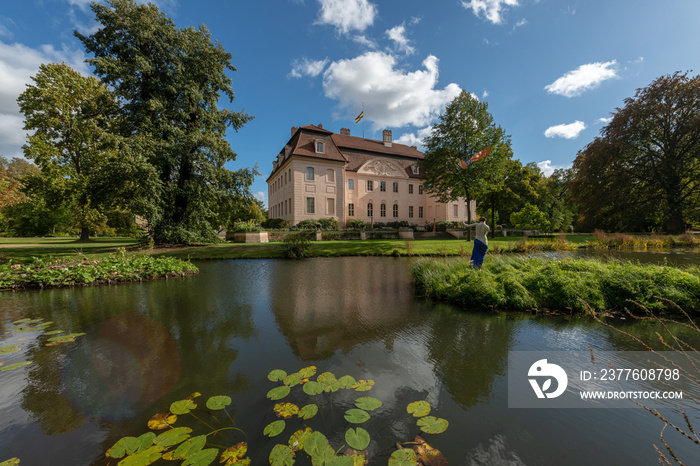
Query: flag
x=463 y=164
x=359 y=117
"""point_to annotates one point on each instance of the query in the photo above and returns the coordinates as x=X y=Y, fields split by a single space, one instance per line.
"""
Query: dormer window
x=319 y=147
x=415 y=169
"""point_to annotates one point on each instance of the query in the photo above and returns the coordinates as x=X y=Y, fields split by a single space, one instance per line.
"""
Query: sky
x=551 y=71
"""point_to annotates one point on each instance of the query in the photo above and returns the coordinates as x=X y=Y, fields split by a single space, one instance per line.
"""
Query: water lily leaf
x=428 y=455
x=363 y=385
x=286 y=410
x=236 y=452
x=173 y=437
x=193 y=396
x=346 y=381
x=296 y=441
x=10 y=462
x=356 y=416
x=53 y=332
x=187 y=448
x=145 y=441
x=324 y=456
x=308 y=371
x=15 y=366
x=281 y=455
x=151 y=455
x=418 y=408
x=216 y=403
x=276 y=375
x=9 y=349
x=359 y=458
x=357 y=438
x=315 y=443
x=182 y=407
x=368 y=403
x=292 y=379
x=433 y=425
x=124 y=446
x=340 y=461
x=278 y=393
x=405 y=457
x=274 y=428
x=162 y=421
x=312 y=388
x=25 y=321
x=308 y=411
x=328 y=382
x=201 y=458
x=63 y=338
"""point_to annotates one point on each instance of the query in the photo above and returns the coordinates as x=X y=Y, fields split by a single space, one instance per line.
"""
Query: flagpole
x=363 y=120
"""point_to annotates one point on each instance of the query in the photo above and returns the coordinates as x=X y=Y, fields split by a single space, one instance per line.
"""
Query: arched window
x=382 y=210
x=370 y=210
x=395 y=210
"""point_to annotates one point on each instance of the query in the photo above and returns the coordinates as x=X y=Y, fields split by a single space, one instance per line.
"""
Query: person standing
x=481 y=243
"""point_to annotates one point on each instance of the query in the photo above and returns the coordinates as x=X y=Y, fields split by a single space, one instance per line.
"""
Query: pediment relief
x=378 y=167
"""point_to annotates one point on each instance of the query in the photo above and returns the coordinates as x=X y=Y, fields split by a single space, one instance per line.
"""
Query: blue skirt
x=478 y=253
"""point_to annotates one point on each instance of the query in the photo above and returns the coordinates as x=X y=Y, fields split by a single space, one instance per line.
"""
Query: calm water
x=221 y=332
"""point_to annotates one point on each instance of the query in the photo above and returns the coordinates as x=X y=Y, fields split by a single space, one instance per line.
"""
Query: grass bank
x=90 y=270
x=521 y=284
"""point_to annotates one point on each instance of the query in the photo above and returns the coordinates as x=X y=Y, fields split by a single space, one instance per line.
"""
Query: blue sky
x=551 y=71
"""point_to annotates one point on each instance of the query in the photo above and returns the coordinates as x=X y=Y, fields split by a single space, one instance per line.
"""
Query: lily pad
x=276 y=375
x=428 y=455
x=234 y=453
x=325 y=456
x=162 y=421
x=274 y=428
x=187 y=448
x=182 y=407
x=328 y=382
x=281 y=455
x=25 y=321
x=315 y=443
x=418 y=408
x=53 y=332
x=347 y=381
x=357 y=438
x=308 y=371
x=292 y=379
x=278 y=393
x=64 y=337
x=368 y=403
x=201 y=458
x=363 y=385
x=216 y=403
x=359 y=458
x=308 y=411
x=286 y=410
x=10 y=462
x=9 y=349
x=173 y=437
x=124 y=446
x=312 y=388
x=405 y=457
x=151 y=455
x=433 y=425
x=14 y=366
x=296 y=441
x=356 y=416
x=341 y=461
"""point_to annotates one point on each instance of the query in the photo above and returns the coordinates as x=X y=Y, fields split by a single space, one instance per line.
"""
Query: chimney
x=294 y=130
x=320 y=125
x=345 y=131
x=386 y=136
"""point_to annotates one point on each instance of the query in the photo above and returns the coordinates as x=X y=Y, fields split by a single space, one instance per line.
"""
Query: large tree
x=465 y=128
x=70 y=116
x=645 y=167
x=169 y=81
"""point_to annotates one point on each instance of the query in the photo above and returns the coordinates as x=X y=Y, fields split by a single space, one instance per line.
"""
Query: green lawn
x=25 y=249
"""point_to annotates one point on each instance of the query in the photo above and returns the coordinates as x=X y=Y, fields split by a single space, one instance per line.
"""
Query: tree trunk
x=469 y=215
x=84 y=234
x=493 y=214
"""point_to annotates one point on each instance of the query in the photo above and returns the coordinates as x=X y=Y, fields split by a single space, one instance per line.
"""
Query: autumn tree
x=644 y=169
x=169 y=81
x=465 y=128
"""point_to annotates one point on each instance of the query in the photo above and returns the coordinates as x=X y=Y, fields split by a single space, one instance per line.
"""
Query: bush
x=245 y=226
x=356 y=224
x=307 y=225
x=275 y=224
x=330 y=223
x=294 y=245
x=397 y=225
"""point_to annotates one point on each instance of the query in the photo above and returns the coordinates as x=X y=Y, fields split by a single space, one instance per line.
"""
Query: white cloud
x=363 y=40
x=411 y=139
x=604 y=121
x=484 y=95
x=17 y=64
x=547 y=167
x=398 y=35
x=583 y=78
x=570 y=131
x=306 y=67
x=347 y=15
x=261 y=196
x=392 y=97
x=491 y=9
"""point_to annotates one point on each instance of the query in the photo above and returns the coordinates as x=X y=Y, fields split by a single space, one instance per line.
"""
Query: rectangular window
x=415 y=169
x=382 y=186
x=310 y=208
x=309 y=173
x=351 y=184
x=319 y=147
x=420 y=189
x=410 y=189
x=285 y=178
x=370 y=210
x=351 y=210
x=456 y=210
x=420 y=212
x=382 y=210
x=396 y=187
x=395 y=210
x=410 y=211
x=370 y=185
x=330 y=206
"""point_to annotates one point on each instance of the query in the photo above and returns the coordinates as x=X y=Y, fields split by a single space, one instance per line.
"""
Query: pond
x=221 y=332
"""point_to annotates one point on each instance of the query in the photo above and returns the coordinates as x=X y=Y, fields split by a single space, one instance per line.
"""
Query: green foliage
x=275 y=224
x=523 y=284
x=246 y=226
x=295 y=245
x=530 y=217
x=356 y=224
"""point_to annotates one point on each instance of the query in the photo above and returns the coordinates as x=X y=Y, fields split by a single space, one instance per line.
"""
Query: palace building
x=321 y=174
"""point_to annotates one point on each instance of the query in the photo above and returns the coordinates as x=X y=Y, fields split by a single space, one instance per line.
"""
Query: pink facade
x=322 y=174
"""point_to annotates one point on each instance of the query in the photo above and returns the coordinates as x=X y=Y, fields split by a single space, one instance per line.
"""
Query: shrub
x=244 y=226
x=330 y=223
x=275 y=224
x=307 y=225
x=295 y=245
x=356 y=224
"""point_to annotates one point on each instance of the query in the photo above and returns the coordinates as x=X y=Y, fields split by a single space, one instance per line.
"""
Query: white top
x=482 y=230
